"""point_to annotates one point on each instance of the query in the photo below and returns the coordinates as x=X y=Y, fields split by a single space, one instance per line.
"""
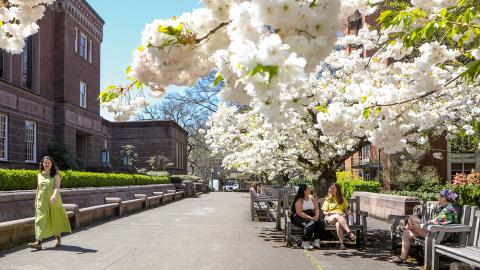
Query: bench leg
x=427 y=261
x=435 y=260
x=393 y=240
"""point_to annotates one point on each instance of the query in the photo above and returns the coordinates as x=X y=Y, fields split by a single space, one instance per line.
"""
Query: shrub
x=464 y=179
x=179 y=178
x=157 y=173
x=26 y=179
x=60 y=153
x=467 y=194
x=351 y=183
x=346 y=176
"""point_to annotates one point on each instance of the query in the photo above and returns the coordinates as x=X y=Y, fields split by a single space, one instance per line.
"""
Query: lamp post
x=212 y=178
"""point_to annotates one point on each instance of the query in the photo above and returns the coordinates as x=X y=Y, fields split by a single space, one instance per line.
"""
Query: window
x=462 y=167
x=106 y=157
x=125 y=161
x=83 y=46
x=76 y=40
x=83 y=95
x=27 y=63
x=365 y=154
x=90 y=45
x=3 y=137
x=30 y=141
x=105 y=153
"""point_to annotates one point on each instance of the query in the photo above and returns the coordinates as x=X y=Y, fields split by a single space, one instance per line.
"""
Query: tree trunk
x=323 y=182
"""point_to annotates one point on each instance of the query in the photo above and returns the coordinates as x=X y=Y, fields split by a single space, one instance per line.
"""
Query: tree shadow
x=377 y=248
x=69 y=248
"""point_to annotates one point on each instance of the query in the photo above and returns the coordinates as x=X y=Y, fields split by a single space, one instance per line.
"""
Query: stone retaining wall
x=380 y=206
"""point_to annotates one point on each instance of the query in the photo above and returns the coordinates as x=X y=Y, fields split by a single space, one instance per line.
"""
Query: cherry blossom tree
x=307 y=107
x=18 y=20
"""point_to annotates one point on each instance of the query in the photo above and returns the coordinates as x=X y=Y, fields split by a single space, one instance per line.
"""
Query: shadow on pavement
x=271 y=235
x=378 y=248
x=68 y=248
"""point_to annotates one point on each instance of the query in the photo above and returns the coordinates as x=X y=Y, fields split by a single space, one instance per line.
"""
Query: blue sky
x=124 y=23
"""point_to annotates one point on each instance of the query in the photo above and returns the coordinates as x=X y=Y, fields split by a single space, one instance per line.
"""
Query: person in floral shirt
x=446 y=213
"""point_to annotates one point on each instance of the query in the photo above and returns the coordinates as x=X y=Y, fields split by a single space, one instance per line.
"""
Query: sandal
x=352 y=236
x=398 y=260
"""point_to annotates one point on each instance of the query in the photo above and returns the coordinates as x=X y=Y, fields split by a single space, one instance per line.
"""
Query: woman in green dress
x=50 y=216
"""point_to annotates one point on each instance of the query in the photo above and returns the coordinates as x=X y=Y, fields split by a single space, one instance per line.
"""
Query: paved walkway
x=210 y=232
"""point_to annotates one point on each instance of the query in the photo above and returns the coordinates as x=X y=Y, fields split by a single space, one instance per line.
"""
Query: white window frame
x=5 y=149
x=84 y=50
x=76 y=40
x=83 y=95
x=34 y=147
x=90 y=45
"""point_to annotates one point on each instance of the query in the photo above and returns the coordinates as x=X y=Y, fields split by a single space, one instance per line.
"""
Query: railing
x=364 y=162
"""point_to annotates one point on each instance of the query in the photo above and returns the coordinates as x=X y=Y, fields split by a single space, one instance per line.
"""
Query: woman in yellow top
x=335 y=209
x=50 y=216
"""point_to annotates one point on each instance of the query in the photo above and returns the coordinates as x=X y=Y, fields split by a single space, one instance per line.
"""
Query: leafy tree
x=60 y=153
x=128 y=152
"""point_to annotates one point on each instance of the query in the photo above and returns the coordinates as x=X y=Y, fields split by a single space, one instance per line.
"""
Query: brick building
x=49 y=94
x=372 y=163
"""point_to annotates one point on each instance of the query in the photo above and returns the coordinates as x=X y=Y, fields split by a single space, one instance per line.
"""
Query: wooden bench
x=438 y=233
x=398 y=222
x=468 y=248
x=357 y=222
x=259 y=207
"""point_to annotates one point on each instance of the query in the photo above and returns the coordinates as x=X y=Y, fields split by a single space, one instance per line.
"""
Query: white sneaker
x=306 y=245
x=316 y=243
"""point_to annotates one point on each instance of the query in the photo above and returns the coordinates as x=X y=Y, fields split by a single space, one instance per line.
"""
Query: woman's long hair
x=53 y=170
x=300 y=195
x=338 y=196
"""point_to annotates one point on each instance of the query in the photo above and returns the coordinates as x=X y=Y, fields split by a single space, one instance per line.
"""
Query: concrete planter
x=382 y=205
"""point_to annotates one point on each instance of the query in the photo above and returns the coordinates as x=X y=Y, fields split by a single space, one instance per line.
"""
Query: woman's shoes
x=398 y=260
x=58 y=241
x=316 y=243
x=342 y=246
x=36 y=245
x=306 y=245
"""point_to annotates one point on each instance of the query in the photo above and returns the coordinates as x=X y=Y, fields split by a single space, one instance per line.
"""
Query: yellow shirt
x=331 y=206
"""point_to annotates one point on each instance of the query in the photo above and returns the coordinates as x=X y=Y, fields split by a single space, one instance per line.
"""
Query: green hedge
x=26 y=179
x=350 y=183
x=467 y=194
x=179 y=178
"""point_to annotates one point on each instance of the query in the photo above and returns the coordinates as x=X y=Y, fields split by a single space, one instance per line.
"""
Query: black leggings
x=311 y=229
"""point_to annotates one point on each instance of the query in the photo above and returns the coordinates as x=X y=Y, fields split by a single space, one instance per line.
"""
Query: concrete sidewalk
x=210 y=232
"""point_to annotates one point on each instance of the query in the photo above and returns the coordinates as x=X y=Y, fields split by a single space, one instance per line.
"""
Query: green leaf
x=218 y=79
x=138 y=84
x=140 y=48
x=321 y=108
x=378 y=109
x=472 y=72
x=363 y=99
x=170 y=30
x=271 y=71
x=366 y=113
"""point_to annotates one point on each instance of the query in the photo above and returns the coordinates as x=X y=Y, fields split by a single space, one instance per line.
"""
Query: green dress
x=50 y=219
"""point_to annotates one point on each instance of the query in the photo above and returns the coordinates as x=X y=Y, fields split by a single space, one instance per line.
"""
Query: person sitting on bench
x=305 y=214
x=335 y=209
x=445 y=214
